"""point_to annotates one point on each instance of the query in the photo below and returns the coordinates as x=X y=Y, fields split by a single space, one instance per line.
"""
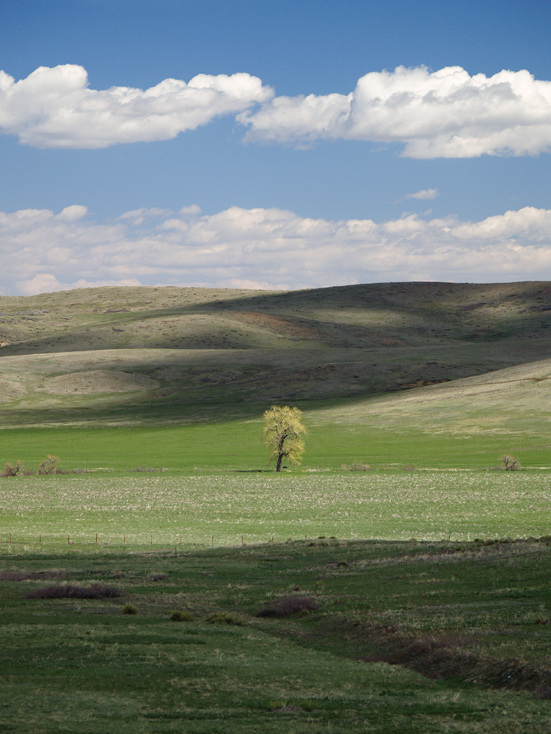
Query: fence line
x=115 y=540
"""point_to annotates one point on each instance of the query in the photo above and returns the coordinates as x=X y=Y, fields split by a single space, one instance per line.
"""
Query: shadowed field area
x=306 y=636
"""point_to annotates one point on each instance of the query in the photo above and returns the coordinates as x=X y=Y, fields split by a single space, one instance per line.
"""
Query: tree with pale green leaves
x=282 y=434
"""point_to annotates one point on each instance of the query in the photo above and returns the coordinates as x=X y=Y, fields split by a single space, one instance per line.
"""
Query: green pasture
x=469 y=623
x=235 y=445
x=230 y=509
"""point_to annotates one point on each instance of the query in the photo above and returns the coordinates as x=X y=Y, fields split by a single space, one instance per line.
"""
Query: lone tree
x=282 y=434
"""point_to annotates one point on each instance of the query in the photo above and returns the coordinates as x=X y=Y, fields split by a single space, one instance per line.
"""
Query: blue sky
x=277 y=189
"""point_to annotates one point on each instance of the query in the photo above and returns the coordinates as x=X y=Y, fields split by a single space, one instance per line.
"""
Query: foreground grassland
x=230 y=509
x=410 y=637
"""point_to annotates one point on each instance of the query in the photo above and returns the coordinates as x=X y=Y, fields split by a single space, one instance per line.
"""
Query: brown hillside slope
x=147 y=348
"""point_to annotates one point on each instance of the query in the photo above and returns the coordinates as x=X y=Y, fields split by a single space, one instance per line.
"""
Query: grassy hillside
x=164 y=354
x=423 y=374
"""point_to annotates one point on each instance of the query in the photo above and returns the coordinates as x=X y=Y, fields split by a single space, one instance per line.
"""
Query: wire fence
x=100 y=540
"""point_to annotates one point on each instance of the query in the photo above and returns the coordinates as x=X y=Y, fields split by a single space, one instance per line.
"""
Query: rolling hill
x=181 y=354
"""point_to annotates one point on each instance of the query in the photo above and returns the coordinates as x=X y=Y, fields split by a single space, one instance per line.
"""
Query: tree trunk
x=279 y=460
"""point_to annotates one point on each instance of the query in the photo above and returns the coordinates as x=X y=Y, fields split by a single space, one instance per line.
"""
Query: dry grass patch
x=285 y=606
x=67 y=591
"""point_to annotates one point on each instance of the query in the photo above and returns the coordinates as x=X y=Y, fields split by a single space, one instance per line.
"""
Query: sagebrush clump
x=50 y=465
x=510 y=463
x=356 y=466
x=284 y=606
x=226 y=618
x=67 y=591
x=178 y=616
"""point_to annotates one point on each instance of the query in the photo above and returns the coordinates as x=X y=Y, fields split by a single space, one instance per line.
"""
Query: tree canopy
x=282 y=433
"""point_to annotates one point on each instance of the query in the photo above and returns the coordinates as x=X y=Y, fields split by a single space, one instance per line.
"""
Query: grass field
x=410 y=637
x=426 y=578
x=466 y=423
x=253 y=508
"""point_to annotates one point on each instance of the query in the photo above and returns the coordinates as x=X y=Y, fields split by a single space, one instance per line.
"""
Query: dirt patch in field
x=98 y=381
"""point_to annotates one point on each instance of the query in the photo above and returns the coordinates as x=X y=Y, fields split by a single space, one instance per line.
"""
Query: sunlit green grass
x=230 y=509
x=236 y=445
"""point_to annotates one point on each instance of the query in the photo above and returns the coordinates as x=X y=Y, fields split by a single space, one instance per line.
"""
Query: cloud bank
x=264 y=248
x=54 y=108
x=441 y=114
x=446 y=113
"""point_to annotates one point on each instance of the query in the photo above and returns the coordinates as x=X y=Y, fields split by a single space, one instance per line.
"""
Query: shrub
x=359 y=466
x=510 y=463
x=129 y=609
x=12 y=470
x=178 y=616
x=294 y=706
x=275 y=704
x=284 y=606
x=356 y=466
x=48 y=466
x=543 y=692
x=66 y=591
x=226 y=618
x=30 y=575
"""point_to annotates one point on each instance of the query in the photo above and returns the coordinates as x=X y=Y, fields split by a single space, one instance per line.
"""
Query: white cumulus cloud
x=55 y=108
x=423 y=194
x=265 y=248
x=446 y=113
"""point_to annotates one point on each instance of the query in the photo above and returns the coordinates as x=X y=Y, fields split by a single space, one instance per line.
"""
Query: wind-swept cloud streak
x=265 y=248
x=423 y=194
x=55 y=108
x=441 y=114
